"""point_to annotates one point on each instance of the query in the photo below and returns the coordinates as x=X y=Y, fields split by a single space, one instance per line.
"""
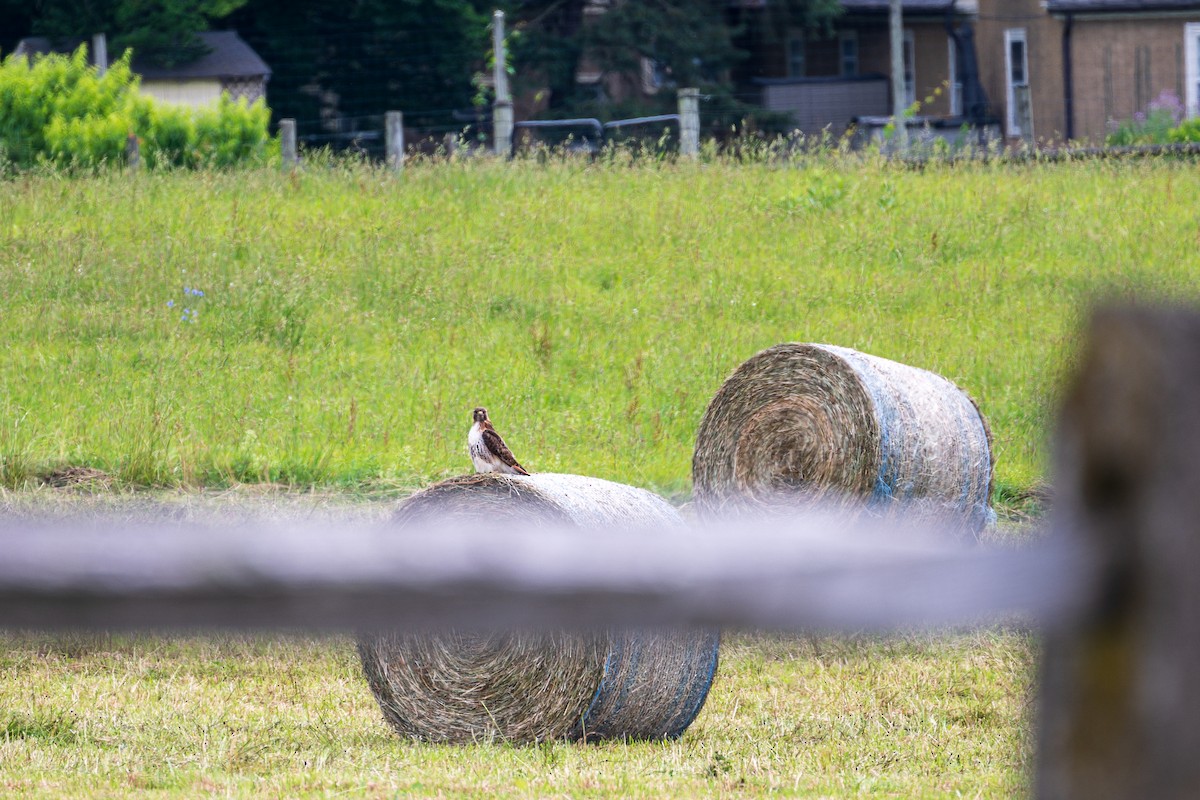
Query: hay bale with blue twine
x=521 y=687
x=817 y=424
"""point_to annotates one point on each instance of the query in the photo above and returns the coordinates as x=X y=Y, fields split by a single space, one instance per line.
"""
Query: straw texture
x=814 y=423
x=526 y=687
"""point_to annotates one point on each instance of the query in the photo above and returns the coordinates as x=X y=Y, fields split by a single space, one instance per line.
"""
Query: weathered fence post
x=133 y=152
x=502 y=111
x=1120 y=694
x=689 y=122
x=394 y=123
x=287 y=143
x=450 y=141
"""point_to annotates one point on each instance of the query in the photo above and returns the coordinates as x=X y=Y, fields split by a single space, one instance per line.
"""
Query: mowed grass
x=914 y=716
x=351 y=318
x=97 y=716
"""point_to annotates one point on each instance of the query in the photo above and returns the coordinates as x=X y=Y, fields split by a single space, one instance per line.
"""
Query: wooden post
x=502 y=111
x=896 y=32
x=689 y=122
x=450 y=141
x=394 y=122
x=100 y=52
x=133 y=152
x=287 y=143
x=1120 y=692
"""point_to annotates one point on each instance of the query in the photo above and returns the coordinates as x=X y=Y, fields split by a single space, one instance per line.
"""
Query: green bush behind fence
x=60 y=110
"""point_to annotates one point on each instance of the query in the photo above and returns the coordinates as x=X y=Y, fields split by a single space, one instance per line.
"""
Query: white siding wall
x=188 y=93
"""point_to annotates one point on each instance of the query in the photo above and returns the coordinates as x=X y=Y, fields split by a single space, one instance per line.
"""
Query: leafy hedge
x=1187 y=131
x=60 y=110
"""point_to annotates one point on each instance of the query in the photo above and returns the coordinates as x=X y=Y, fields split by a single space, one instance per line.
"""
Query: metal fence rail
x=596 y=133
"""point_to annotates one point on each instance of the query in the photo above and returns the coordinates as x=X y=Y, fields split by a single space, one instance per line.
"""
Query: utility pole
x=502 y=111
x=896 y=29
x=100 y=53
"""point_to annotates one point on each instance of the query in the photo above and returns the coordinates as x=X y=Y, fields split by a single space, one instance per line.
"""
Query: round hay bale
x=816 y=423
x=525 y=687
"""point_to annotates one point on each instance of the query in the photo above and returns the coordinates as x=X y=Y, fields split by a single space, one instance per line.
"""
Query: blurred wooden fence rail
x=1115 y=582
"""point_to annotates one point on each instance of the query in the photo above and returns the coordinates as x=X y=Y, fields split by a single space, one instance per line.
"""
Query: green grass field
x=350 y=320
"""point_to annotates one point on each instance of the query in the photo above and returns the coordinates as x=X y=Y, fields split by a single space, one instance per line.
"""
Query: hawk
x=488 y=451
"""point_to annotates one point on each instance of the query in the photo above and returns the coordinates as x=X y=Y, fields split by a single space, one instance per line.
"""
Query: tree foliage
x=368 y=56
x=333 y=59
x=162 y=31
x=688 y=42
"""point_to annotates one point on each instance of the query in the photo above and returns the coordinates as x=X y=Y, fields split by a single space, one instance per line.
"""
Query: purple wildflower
x=1169 y=102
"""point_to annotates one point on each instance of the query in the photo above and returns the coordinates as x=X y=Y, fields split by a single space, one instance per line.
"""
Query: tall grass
x=351 y=318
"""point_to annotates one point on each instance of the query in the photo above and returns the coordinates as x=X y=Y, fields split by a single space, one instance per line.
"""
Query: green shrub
x=1188 y=131
x=62 y=111
x=1163 y=122
x=1150 y=128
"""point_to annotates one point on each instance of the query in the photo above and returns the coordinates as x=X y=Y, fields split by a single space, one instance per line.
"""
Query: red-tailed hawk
x=488 y=451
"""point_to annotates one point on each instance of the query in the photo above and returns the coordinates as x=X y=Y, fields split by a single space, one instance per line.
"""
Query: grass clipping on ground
x=110 y=715
x=822 y=424
x=528 y=687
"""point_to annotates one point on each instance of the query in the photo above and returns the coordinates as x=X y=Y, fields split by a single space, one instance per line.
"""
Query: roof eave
x=1122 y=11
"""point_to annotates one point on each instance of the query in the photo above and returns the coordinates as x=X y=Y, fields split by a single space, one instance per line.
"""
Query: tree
x=689 y=42
x=16 y=20
x=334 y=59
x=161 y=31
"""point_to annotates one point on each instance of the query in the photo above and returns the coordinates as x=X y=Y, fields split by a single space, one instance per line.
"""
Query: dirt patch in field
x=77 y=478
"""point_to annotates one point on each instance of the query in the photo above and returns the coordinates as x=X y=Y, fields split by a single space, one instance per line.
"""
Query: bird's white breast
x=481 y=457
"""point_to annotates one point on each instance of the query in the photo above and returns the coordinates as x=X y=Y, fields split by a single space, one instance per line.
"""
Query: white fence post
x=287 y=143
x=689 y=122
x=394 y=122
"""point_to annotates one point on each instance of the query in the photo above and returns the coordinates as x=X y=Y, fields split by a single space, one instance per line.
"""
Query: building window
x=1191 y=54
x=1016 y=67
x=956 y=87
x=796 y=62
x=910 y=69
x=848 y=53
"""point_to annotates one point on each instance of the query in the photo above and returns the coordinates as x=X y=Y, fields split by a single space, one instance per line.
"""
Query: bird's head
x=480 y=414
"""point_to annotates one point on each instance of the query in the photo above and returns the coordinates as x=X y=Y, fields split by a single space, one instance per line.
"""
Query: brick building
x=1058 y=70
